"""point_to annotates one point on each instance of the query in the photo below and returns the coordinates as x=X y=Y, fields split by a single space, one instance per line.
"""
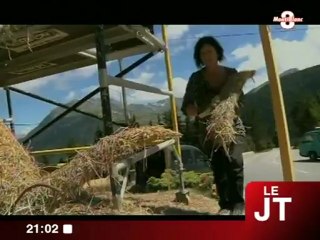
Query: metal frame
x=84 y=46
x=127 y=163
x=87 y=97
x=10 y=113
x=99 y=57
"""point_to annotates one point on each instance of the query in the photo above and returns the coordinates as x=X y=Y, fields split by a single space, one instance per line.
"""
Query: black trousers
x=228 y=172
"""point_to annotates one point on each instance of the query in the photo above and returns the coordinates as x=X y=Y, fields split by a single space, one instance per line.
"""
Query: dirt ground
x=158 y=203
x=163 y=203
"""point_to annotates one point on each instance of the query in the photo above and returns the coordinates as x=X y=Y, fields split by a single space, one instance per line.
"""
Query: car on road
x=309 y=145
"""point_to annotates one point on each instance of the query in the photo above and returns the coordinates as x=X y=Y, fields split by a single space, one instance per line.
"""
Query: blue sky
x=298 y=48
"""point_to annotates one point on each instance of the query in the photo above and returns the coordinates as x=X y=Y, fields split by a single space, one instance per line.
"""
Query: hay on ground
x=66 y=184
x=18 y=170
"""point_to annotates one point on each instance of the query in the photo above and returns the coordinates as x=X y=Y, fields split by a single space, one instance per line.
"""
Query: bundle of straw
x=67 y=182
x=18 y=170
x=221 y=128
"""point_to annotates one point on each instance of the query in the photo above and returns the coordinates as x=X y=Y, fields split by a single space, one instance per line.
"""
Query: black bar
x=74 y=106
x=61 y=105
x=104 y=89
x=51 y=102
x=10 y=112
x=135 y=64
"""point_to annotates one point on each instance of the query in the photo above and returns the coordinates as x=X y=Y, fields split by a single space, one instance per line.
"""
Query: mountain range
x=76 y=129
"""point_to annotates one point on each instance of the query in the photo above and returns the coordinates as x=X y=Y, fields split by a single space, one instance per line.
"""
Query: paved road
x=266 y=166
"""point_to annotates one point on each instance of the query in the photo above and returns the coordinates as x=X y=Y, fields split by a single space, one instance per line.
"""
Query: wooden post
x=278 y=105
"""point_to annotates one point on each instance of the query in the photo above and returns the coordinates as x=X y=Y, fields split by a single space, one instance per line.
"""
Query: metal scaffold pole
x=106 y=108
x=124 y=97
x=182 y=195
x=174 y=114
x=10 y=112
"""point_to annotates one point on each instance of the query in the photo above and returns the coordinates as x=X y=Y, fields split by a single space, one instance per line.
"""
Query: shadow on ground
x=168 y=210
x=307 y=161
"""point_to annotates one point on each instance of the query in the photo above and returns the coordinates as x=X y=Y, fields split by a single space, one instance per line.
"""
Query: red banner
x=274 y=210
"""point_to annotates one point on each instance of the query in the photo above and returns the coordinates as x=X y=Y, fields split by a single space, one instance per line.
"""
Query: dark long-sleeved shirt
x=200 y=92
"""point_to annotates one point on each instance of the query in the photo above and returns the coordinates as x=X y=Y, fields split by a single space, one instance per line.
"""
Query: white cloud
x=288 y=54
x=257 y=80
x=177 y=31
x=114 y=91
x=134 y=96
x=141 y=97
x=177 y=49
x=144 y=78
x=61 y=81
x=34 y=85
x=71 y=95
x=88 y=89
x=158 y=56
x=179 y=86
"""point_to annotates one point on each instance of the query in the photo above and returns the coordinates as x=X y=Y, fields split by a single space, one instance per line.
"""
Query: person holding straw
x=202 y=87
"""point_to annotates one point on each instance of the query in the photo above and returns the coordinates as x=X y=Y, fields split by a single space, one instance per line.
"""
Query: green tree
x=167 y=120
x=306 y=114
x=275 y=139
x=133 y=121
x=259 y=133
x=72 y=143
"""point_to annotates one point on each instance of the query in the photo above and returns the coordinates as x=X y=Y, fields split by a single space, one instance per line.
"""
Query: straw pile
x=17 y=170
x=221 y=127
x=66 y=184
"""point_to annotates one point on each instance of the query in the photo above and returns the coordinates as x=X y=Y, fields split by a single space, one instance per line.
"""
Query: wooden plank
x=278 y=105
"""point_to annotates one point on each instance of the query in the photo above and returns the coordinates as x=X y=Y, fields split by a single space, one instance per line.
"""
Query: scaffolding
x=59 y=48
